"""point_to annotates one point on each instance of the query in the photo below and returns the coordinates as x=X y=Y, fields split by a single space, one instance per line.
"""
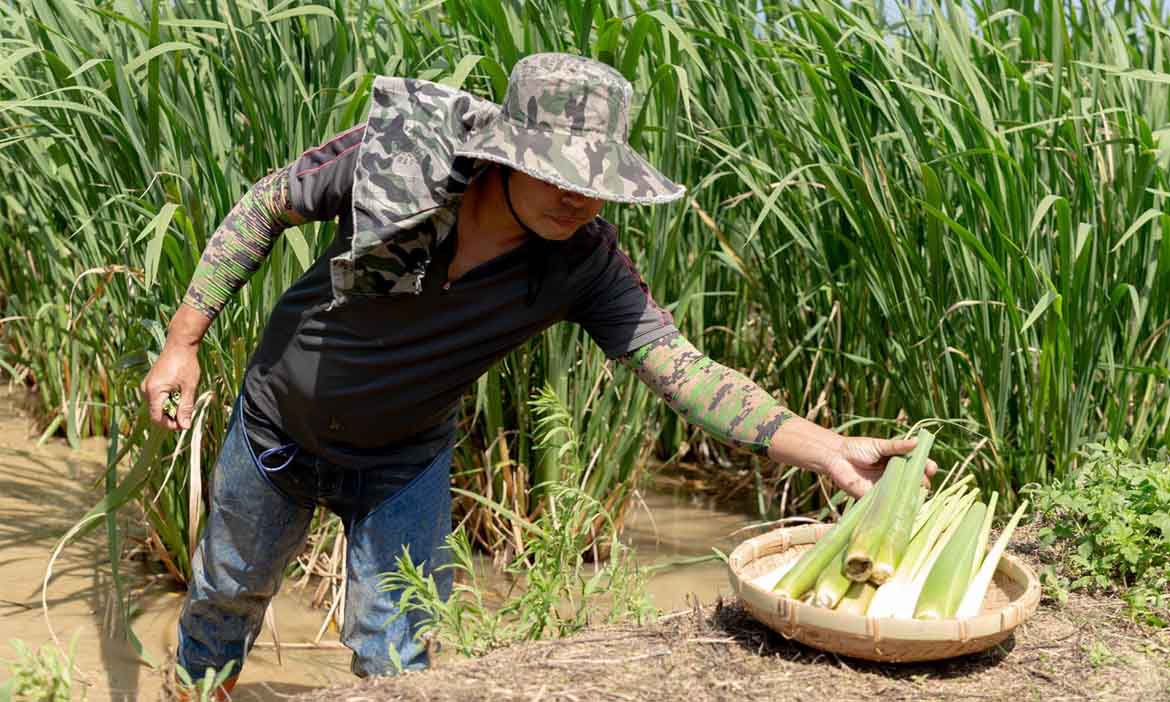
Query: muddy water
x=669 y=529
x=44 y=490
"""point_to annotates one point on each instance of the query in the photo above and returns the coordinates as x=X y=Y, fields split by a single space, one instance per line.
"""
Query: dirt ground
x=1085 y=649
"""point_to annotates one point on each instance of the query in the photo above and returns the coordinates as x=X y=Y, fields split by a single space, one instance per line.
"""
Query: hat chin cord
x=538 y=260
x=508 y=199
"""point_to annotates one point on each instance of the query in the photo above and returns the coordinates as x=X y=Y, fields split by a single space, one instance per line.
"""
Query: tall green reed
x=134 y=128
x=958 y=219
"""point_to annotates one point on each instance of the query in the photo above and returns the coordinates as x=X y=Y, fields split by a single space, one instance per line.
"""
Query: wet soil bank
x=44 y=490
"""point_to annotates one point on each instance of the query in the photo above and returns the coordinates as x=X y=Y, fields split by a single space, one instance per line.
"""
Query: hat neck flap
x=407 y=183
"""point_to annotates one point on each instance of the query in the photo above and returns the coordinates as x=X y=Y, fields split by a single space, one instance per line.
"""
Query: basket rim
x=798 y=614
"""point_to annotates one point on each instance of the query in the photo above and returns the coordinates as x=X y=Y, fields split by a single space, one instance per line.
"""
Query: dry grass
x=1084 y=650
x=1080 y=652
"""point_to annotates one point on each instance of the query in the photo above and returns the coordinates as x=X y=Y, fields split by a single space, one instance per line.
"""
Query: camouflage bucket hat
x=565 y=120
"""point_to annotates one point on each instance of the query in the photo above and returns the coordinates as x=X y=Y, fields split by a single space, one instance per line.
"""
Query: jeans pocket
x=277 y=477
x=290 y=449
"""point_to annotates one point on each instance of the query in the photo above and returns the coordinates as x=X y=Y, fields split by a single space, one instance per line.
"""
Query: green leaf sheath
x=857 y=599
x=241 y=243
x=904 y=509
x=832 y=584
x=724 y=402
x=951 y=575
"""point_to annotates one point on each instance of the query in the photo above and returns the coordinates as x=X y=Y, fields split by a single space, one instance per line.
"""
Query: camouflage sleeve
x=242 y=242
x=722 y=401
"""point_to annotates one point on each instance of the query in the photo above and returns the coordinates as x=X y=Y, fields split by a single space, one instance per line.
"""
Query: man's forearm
x=724 y=402
x=241 y=243
x=803 y=443
x=187 y=327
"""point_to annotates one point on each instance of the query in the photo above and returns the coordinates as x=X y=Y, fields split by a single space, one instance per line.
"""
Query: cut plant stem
x=897 y=597
x=932 y=505
x=801 y=578
x=867 y=537
x=903 y=510
x=984 y=534
x=977 y=590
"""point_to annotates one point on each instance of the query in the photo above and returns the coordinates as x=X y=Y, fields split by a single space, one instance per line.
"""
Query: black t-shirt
x=377 y=381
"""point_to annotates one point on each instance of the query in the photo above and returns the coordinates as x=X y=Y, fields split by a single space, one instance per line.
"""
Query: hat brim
x=584 y=163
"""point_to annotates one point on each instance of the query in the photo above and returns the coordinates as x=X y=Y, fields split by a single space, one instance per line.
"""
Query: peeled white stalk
x=973 y=599
x=907 y=600
x=950 y=577
x=921 y=545
x=890 y=597
x=767 y=581
x=940 y=498
x=929 y=507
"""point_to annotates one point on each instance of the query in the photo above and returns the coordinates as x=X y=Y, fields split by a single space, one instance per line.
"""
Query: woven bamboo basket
x=1011 y=600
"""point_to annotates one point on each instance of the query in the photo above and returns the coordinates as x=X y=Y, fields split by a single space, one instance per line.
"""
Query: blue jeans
x=257 y=523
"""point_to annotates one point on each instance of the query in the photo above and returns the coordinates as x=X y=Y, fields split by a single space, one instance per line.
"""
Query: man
x=464 y=228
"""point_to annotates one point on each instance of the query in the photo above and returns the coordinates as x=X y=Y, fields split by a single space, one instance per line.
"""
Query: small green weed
x=560 y=593
x=1100 y=655
x=1111 y=521
x=202 y=689
x=44 y=675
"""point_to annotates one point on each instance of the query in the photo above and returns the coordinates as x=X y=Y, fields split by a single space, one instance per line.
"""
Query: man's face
x=549 y=211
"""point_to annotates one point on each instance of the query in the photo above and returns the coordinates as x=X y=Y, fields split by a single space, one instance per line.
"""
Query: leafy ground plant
x=191 y=689
x=558 y=592
x=43 y=675
x=1111 y=523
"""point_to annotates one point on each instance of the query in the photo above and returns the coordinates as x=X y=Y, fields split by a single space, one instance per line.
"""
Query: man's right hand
x=177 y=369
